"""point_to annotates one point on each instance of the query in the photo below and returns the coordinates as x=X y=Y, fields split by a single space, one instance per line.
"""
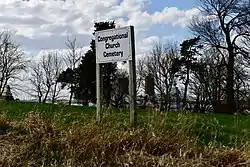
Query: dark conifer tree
x=86 y=89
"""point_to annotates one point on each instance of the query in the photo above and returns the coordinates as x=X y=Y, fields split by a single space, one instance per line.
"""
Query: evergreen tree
x=87 y=71
x=189 y=51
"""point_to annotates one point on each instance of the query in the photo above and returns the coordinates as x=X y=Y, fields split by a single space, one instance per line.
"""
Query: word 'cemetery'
x=108 y=45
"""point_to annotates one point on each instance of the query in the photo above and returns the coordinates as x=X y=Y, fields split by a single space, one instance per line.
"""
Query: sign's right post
x=132 y=80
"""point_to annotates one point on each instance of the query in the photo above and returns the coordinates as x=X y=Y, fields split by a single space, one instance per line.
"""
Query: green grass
x=33 y=134
x=17 y=111
x=219 y=129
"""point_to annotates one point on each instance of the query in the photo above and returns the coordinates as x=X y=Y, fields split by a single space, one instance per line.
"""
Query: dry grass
x=35 y=142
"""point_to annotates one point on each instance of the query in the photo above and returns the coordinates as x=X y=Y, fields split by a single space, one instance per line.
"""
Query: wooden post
x=132 y=81
x=99 y=89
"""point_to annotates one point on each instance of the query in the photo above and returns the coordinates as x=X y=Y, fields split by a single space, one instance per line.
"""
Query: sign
x=113 y=45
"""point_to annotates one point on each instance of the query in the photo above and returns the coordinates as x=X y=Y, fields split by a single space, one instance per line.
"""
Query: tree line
x=212 y=66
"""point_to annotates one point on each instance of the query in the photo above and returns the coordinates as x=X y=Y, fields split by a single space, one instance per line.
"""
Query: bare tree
x=160 y=65
x=46 y=64
x=12 y=60
x=225 y=26
x=57 y=65
x=44 y=77
x=208 y=81
x=241 y=80
x=71 y=59
x=36 y=80
x=52 y=67
x=141 y=75
x=142 y=72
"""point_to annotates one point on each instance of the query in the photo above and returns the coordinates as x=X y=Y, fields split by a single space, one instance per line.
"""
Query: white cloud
x=145 y=45
x=40 y=24
x=37 y=17
x=141 y=20
x=175 y=16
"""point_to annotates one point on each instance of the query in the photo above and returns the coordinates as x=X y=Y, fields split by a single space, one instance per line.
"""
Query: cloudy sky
x=40 y=25
x=45 y=24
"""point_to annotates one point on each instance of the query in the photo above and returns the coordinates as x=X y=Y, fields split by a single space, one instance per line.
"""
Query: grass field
x=57 y=135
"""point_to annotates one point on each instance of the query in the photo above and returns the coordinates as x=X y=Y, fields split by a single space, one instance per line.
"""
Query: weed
x=40 y=142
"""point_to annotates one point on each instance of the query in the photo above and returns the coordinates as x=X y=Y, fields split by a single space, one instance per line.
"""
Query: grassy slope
x=57 y=135
x=216 y=128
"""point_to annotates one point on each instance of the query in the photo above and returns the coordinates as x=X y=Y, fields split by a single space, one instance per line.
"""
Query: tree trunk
x=40 y=95
x=46 y=95
x=169 y=103
x=238 y=98
x=231 y=106
x=230 y=88
x=54 y=94
x=71 y=94
x=186 y=89
x=40 y=99
x=1 y=85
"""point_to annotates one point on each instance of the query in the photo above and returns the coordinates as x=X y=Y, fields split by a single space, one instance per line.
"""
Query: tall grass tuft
x=39 y=142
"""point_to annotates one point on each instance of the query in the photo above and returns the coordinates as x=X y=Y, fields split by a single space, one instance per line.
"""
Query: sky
x=45 y=24
x=40 y=25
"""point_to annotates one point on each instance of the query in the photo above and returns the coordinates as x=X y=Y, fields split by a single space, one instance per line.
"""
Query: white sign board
x=113 y=45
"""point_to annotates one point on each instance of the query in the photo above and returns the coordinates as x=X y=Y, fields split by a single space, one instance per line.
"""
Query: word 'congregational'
x=113 y=37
